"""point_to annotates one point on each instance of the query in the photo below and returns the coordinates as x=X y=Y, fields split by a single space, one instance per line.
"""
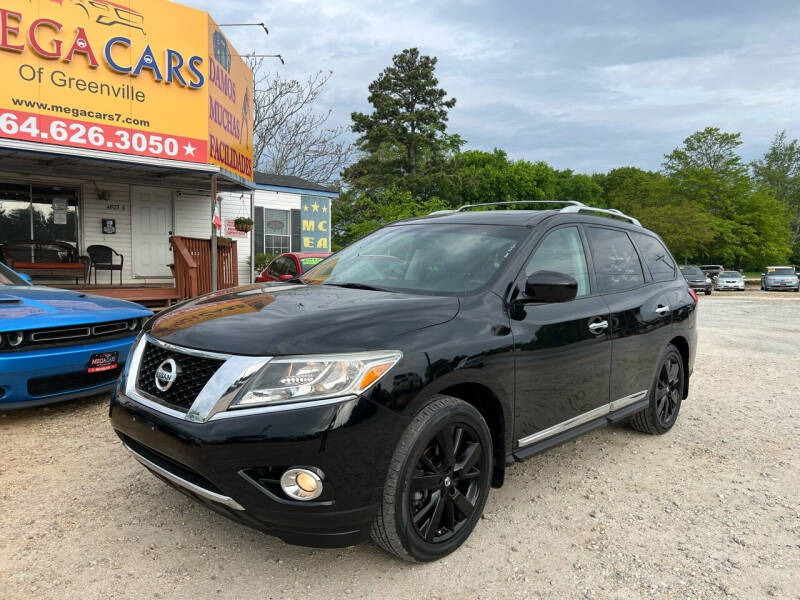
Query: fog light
x=301 y=484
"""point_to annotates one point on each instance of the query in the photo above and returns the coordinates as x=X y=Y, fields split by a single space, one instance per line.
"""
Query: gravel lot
x=711 y=510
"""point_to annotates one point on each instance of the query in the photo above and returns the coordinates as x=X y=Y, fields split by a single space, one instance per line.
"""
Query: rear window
x=656 y=257
x=616 y=262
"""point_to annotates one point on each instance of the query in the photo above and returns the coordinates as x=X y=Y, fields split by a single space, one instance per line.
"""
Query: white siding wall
x=238 y=205
x=192 y=214
x=277 y=200
x=117 y=207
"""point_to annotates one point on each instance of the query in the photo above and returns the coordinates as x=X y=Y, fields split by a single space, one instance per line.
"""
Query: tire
x=659 y=417
x=708 y=292
x=443 y=490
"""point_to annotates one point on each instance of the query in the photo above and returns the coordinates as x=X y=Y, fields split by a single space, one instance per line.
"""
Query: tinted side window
x=656 y=257
x=616 y=262
x=274 y=268
x=562 y=251
x=291 y=266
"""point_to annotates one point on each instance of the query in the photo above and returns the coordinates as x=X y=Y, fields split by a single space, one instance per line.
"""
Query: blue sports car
x=60 y=344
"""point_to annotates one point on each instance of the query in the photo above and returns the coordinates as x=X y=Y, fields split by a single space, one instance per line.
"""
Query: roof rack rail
x=570 y=206
x=603 y=211
x=467 y=207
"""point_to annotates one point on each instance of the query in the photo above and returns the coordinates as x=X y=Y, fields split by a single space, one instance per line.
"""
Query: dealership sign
x=316 y=223
x=145 y=77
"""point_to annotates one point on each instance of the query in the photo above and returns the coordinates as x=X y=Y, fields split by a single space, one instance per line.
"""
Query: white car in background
x=730 y=280
x=780 y=278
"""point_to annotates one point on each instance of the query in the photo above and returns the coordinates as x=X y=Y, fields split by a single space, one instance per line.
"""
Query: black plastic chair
x=101 y=258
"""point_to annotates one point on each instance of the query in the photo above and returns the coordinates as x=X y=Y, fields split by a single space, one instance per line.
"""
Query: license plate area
x=103 y=361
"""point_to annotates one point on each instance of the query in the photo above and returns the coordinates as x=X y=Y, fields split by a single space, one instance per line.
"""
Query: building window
x=33 y=212
x=273 y=230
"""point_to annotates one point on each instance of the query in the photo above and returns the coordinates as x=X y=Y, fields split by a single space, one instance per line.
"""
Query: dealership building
x=126 y=153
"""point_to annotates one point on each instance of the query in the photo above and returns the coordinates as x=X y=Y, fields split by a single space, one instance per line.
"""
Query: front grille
x=54 y=337
x=192 y=375
x=70 y=382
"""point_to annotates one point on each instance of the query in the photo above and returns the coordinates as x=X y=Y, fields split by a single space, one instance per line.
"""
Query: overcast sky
x=582 y=85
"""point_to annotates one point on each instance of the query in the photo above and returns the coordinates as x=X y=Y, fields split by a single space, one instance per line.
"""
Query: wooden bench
x=45 y=259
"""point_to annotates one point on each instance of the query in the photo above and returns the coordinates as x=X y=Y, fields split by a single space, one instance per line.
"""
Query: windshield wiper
x=357 y=286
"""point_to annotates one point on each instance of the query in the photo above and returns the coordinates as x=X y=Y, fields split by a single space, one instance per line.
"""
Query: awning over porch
x=68 y=162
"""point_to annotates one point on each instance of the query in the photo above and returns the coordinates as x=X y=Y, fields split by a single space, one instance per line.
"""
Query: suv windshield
x=780 y=271
x=691 y=271
x=446 y=259
x=8 y=277
x=732 y=274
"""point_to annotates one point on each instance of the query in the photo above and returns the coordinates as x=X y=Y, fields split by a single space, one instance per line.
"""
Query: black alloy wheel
x=666 y=396
x=669 y=389
x=446 y=483
x=437 y=483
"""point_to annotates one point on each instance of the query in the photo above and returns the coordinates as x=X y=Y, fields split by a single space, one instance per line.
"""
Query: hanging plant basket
x=243 y=224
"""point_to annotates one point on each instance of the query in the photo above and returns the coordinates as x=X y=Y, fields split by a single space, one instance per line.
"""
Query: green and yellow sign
x=315 y=213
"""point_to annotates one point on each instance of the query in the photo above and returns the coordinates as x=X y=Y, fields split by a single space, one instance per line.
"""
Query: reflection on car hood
x=282 y=318
x=29 y=307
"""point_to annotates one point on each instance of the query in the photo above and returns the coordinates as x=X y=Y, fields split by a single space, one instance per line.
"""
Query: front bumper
x=730 y=286
x=773 y=287
x=63 y=365
x=232 y=464
x=700 y=287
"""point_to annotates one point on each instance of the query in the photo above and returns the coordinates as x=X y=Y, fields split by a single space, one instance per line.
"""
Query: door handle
x=598 y=326
x=662 y=309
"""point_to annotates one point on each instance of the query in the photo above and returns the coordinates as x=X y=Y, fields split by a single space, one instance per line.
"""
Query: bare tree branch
x=290 y=134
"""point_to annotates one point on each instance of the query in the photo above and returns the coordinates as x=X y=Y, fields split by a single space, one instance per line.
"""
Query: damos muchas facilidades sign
x=129 y=77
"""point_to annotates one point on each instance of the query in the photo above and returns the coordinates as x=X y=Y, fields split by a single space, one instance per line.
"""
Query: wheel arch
x=490 y=407
x=682 y=345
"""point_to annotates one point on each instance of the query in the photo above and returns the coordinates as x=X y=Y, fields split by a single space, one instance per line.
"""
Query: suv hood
x=33 y=307
x=276 y=319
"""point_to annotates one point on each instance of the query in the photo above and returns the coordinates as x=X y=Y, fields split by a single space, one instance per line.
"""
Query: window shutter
x=296 y=228
x=258 y=229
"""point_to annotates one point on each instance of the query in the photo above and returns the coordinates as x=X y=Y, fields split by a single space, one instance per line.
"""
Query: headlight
x=708 y=279
x=303 y=378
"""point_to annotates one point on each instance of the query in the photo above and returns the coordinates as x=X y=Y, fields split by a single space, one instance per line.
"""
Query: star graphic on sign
x=315 y=206
x=305 y=207
x=189 y=149
x=324 y=209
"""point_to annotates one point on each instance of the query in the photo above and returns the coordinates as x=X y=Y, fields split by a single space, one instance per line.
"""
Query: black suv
x=384 y=391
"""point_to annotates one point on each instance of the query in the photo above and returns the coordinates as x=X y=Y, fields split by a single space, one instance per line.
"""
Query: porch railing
x=191 y=265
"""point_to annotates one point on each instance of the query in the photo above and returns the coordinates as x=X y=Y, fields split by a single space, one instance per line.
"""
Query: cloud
x=582 y=85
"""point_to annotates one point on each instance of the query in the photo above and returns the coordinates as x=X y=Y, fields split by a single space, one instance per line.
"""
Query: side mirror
x=286 y=277
x=551 y=286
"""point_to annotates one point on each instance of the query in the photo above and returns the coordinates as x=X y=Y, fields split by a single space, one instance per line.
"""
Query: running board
x=602 y=415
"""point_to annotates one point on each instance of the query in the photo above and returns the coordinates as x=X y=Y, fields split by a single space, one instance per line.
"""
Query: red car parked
x=291 y=264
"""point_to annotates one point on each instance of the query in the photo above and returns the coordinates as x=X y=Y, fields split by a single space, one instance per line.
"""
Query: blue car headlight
x=13 y=339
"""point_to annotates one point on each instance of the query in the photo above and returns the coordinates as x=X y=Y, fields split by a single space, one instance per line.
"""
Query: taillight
x=693 y=294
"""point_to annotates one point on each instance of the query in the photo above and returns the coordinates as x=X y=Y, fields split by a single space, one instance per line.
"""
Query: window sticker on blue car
x=105 y=361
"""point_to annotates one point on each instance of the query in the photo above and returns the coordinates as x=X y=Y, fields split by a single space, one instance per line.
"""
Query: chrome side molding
x=200 y=491
x=591 y=415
